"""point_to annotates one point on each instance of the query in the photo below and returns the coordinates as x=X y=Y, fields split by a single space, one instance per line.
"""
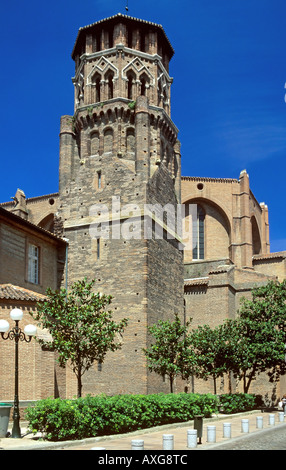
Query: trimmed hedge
x=237 y=402
x=81 y=418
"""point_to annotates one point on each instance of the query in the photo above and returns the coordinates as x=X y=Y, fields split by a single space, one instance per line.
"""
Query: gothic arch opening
x=198 y=233
x=144 y=81
x=256 y=240
x=108 y=140
x=207 y=233
x=130 y=143
x=131 y=79
x=96 y=81
x=109 y=80
x=47 y=223
x=94 y=143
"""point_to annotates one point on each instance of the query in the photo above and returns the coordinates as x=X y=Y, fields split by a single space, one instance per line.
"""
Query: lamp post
x=17 y=335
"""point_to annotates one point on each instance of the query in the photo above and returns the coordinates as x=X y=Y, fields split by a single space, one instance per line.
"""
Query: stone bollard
x=271 y=419
x=137 y=444
x=192 y=438
x=244 y=425
x=168 y=441
x=227 y=430
x=281 y=416
x=259 y=422
x=211 y=433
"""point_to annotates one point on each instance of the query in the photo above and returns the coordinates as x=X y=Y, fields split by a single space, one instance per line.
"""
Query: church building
x=158 y=242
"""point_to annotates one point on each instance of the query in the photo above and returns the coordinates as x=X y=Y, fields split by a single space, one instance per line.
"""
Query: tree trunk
x=249 y=381
x=79 y=386
x=229 y=383
x=171 y=383
x=79 y=382
x=214 y=377
x=246 y=384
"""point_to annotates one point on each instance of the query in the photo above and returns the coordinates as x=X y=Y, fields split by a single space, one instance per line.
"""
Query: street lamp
x=17 y=334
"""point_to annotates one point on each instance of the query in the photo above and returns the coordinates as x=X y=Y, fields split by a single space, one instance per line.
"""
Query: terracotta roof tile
x=278 y=254
x=196 y=282
x=9 y=291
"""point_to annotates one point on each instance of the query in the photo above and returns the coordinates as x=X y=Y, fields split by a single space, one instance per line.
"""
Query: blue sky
x=228 y=94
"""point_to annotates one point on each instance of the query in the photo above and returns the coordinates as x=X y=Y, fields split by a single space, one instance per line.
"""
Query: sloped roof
x=11 y=292
x=11 y=216
x=277 y=254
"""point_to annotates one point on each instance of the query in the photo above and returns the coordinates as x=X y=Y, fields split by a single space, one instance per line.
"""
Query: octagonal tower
x=119 y=154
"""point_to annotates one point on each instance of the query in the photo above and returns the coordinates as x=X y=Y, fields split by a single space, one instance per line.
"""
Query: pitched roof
x=277 y=254
x=10 y=216
x=11 y=292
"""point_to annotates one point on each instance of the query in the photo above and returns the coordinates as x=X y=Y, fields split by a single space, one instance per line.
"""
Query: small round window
x=200 y=186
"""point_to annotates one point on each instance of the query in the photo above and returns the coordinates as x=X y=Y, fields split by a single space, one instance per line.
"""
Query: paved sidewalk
x=153 y=437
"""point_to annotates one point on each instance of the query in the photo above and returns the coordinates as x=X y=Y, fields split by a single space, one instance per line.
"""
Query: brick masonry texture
x=113 y=150
x=120 y=151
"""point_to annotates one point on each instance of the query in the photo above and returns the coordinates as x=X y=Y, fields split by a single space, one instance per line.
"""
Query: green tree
x=261 y=334
x=170 y=354
x=212 y=350
x=81 y=326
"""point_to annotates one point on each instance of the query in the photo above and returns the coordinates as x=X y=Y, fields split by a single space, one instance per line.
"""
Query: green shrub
x=80 y=418
x=237 y=402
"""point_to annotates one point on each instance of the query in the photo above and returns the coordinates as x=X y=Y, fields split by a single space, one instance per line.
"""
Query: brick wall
x=15 y=238
x=36 y=367
x=236 y=225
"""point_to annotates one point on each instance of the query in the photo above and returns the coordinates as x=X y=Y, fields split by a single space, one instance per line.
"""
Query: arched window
x=130 y=141
x=109 y=79
x=96 y=80
x=198 y=224
x=256 y=241
x=94 y=143
x=48 y=223
x=131 y=79
x=143 y=87
x=108 y=140
x=144 y=83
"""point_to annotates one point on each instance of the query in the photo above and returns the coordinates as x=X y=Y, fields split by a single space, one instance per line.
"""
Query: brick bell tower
x=118 y=153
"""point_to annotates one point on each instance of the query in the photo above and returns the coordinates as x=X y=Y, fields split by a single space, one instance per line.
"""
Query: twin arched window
x=107 y=142
x=99 y=91
x=132 y=89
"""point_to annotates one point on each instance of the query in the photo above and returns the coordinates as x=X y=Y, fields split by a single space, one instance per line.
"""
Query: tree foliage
x=243 y=347
x=252 y=343
x=81 y=326
x=170 y=354
x=212 y=349
x=261 y=333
